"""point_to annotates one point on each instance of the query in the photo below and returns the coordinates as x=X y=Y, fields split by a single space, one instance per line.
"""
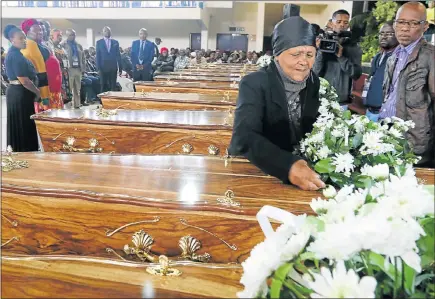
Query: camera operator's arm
x=318 y=64
x=351 y=65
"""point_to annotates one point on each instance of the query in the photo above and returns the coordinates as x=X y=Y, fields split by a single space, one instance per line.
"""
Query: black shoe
x=85 y=104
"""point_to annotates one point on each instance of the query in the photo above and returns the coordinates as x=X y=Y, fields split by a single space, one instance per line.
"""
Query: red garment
x=25 y=25
x=163 y=49
x=54 y=76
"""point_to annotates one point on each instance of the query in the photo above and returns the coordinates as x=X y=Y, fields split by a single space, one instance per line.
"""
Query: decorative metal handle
x=186 y=148
x=93 y=146
x=9 y=163
x=228 y=199
x=213 y=150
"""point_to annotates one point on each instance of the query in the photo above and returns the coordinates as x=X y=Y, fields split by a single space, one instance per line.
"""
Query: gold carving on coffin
x=228 y=200
x=101 y=112
x=9 y=163
x=110 y=233
x=9 y=241
x=186 y=148
x=226 y=97
x=229 y=120
x=231 y=246
x=142 y=246
x=93 y=146
x=14 y=223
x=189 y=245
x=169 y=82
x=234 y=84
x=213 y=150
x=163 y=268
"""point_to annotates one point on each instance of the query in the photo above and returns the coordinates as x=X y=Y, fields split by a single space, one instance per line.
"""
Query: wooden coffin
x=135 y=131
x=210 y=73
x=70 y=221
x=186 y=87
x=167 y=101
x=201 y=79
x=60 y=277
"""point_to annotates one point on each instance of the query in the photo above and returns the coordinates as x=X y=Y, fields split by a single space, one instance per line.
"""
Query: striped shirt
x=402 y=54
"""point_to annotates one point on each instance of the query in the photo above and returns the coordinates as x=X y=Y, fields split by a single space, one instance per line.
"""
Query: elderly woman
x=278 y=105
x=164 y=63
x=198 y=58
x=182 y=61
x=21 y=94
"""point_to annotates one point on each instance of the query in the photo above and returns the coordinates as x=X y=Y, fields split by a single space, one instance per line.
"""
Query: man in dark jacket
x=409 y=84
x=388 y=42
x=278 y=105
x=343 y=66
x=108 y=60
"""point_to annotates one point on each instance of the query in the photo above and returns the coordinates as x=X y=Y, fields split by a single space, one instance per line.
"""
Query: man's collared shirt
x=402 y=54
x=108 y=43
x=142 y=44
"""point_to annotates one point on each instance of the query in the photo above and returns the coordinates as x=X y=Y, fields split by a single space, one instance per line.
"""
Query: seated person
x=278 y=105
x=164 y=63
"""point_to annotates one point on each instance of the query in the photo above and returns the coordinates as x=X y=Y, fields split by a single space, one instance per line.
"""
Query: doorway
x=195 y=41
x=232 y=42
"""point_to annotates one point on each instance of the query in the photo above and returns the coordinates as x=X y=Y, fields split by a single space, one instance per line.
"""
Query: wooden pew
x=167 y=101
x=135 y=131
x=186 y=87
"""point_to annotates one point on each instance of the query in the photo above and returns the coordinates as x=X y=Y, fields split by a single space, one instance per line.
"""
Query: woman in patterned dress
x=60 y=53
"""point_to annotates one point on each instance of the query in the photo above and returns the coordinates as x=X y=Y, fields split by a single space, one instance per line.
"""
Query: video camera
x=330 y=39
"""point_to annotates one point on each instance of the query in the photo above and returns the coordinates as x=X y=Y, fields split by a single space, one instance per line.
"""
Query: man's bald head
x=410 y=23
x=70 y=34
x=143 y=34
x=107 y=32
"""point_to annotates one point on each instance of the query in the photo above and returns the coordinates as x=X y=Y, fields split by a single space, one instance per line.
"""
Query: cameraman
x=345 y=64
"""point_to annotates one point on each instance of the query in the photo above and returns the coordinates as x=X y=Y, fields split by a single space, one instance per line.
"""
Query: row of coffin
x=81 y=222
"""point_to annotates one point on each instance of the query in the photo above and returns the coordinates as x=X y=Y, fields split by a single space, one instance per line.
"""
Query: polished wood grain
x=212 y=81
x=57 y=277
x=209 y=73
x=74 y=200
x=125 y=133
x=167 y=101
x=186 y=87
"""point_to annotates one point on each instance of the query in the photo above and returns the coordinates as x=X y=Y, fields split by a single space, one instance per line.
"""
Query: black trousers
x=142 y=75
x=108 y=80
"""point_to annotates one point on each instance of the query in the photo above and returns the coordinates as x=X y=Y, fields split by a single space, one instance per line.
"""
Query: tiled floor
x=4 y=120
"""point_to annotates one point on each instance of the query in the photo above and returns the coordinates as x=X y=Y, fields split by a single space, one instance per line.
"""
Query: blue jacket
x=374 y=96
x=148 y=53
x=108 y=60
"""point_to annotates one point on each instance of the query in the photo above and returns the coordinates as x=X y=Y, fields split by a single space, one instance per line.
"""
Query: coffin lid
x=197 y=78
x=170 y=182
x=193 y=98
x=200 y=85
x=206 y=120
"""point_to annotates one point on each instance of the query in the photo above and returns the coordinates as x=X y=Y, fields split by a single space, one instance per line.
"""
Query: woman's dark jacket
x=261 y=130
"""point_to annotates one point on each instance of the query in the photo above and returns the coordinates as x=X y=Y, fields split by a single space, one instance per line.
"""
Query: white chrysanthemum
x=337 y=132
x=321 y=206
x=344 y=192
x=323 y=152
x=379 y=171
x=341 y=284
x=396 y=133
x=335 y=105
x=316 y=138
x=343 y=162
x=373 y=144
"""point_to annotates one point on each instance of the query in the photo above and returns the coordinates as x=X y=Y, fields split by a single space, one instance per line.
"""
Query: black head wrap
x=10 y=30
x=292 y=32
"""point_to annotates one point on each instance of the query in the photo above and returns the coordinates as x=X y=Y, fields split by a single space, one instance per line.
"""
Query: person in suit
x=278 y=105
x=108 y=60
x=142 y=54
x=157 y=43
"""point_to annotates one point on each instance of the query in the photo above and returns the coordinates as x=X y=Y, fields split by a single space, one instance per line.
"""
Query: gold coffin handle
x=93 y=146
x=213 y=150
x=186 y=148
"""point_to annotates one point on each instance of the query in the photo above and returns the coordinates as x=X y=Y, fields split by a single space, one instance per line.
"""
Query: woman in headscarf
x=182 y=61
x=38 y=55
x=278 y=105
x=164 y=63
x=21 y=94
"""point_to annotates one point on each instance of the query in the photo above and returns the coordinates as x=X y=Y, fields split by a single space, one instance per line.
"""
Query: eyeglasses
x=412 y=24
x=387 y=34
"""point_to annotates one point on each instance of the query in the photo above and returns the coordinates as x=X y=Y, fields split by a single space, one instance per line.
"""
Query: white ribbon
x=269 y=212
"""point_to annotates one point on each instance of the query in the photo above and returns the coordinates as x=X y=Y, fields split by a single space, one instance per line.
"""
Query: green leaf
x=363 y=181
x=409 y=279
x=357 y=140
x=324 y=166
x=420 y=278
x=307 y=256
x=278 y=278
x=347 y=114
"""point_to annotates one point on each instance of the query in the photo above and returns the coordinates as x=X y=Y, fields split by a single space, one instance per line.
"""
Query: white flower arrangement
x=343 y=147
x=363 y=243
x=374 y=237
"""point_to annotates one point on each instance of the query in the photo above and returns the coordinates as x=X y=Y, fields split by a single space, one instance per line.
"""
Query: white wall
x=241 y=15
x=174 y=33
